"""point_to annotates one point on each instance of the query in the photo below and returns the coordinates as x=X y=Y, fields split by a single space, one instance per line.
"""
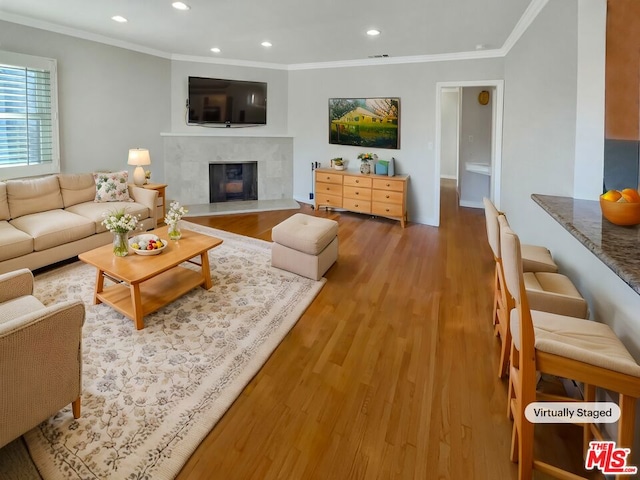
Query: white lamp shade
x=139 y=156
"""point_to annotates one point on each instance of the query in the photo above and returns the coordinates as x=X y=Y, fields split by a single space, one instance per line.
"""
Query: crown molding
x=74 y=32
x=228 y=61
x=527 y=18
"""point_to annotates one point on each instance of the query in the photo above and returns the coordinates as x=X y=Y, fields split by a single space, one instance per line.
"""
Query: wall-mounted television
x=226 y=102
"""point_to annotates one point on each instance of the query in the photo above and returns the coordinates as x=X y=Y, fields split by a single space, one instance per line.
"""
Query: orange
x=631 y=195
x=612 y=195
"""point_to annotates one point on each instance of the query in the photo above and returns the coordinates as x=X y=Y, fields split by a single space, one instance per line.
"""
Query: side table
x=162 y=201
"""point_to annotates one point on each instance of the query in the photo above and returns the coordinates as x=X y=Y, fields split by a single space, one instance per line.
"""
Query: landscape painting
x=364 y=122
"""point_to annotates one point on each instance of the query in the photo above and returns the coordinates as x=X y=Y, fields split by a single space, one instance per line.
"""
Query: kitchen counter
x=617 y=247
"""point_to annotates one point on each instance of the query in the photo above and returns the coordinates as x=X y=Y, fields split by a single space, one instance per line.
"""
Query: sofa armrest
x=146 y=197
x=40 y=366
x=16 y=284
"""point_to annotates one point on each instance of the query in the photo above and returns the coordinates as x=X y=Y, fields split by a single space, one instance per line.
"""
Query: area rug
x=151 y=396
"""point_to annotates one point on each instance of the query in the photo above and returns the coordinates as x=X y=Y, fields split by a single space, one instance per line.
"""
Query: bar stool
x=548 y=291
x=582 y=350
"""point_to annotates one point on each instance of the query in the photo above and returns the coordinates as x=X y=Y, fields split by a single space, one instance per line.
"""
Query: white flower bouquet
x=118 y=221
x=175 y=213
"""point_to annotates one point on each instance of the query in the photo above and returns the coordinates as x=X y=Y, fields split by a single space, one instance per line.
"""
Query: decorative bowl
x=621 y=213
x=143 y=240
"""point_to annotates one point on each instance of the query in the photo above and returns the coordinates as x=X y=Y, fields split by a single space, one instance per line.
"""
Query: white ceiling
x=301 y=31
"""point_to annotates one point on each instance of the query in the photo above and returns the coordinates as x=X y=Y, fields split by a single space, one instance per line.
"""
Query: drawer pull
x=328 y=178
x=387 y=196
x=357 y=193
x=388 y=184
x=328 y=188
x=357 y=181
x=386 y=209
x=356 y=205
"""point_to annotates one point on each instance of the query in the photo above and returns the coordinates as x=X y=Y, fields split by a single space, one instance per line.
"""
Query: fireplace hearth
x=229 y=182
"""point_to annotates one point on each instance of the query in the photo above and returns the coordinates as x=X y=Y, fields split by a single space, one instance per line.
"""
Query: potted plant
x=338 y=163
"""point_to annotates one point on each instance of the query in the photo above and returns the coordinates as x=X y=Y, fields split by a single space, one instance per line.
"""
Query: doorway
x=475 y=159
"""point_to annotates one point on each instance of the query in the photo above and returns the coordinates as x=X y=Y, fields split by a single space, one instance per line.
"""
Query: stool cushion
x=305 y=233
x=582 y=340
x=537 y=259
x=555 y=293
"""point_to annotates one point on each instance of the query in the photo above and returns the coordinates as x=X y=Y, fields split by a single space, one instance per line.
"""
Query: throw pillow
x=112 y=187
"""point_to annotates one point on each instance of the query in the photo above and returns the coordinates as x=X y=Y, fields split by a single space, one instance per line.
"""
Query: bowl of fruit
x=621 y=207
x=147 y=244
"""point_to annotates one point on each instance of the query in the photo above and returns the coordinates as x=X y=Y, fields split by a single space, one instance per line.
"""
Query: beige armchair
x=40 y=356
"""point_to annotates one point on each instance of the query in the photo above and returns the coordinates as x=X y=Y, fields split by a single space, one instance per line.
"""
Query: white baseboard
x=449 y=177
x=468 y=203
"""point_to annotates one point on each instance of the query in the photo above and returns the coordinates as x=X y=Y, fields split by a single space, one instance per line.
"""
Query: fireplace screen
x=233 y=182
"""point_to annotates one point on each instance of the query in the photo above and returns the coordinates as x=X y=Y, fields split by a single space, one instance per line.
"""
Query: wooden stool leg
x=75 y=407
x=587 y=436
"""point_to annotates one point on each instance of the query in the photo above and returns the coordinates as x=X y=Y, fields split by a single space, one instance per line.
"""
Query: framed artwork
x=365 y=122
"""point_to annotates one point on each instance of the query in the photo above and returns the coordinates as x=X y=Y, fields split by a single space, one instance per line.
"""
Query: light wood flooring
x=390 y=373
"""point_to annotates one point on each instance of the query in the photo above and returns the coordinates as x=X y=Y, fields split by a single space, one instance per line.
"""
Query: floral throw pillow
x=112 y=187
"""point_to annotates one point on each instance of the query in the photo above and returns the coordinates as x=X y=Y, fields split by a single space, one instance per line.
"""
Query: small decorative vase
x=174 y=232
x=365 y=168
x=120 y=244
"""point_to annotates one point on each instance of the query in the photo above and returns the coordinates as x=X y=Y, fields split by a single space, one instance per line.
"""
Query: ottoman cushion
x=305 y=233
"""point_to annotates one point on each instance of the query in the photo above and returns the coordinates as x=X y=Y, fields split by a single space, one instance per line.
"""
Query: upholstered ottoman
x=305 y=245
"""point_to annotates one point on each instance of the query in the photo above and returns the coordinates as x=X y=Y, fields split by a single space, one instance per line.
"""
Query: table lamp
x=139 y=157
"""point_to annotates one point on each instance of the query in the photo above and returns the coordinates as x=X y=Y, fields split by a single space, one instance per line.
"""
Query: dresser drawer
x=329 y=189
x=385 y=184
x=386 y=209
x=357 y=181
x=329 y=177
x=357 y=192
x=330 y=200
x=388 y=196
x=356 y=205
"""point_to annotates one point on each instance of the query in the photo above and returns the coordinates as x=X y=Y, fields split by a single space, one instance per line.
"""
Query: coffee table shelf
x=155 y=293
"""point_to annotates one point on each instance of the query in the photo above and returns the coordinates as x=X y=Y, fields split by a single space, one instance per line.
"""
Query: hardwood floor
x=390 y=373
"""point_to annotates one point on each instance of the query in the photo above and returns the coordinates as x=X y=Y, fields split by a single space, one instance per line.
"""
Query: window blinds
x=26 y=133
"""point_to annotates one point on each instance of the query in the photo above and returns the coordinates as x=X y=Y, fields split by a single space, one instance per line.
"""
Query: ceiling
x=301 y=31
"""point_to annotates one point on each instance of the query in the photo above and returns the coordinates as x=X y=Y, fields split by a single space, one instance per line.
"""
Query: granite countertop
x=618 y=247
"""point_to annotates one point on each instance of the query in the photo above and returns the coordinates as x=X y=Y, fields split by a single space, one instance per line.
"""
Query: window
x=28 y=116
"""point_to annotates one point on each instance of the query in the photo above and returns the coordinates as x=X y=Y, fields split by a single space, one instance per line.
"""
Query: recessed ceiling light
x=373 y=32
x=119 y=19
x=215 y=50
x=180 y=6
x=266 y=44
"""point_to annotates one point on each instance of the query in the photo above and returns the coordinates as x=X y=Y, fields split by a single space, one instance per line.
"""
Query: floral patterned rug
x=151 y=396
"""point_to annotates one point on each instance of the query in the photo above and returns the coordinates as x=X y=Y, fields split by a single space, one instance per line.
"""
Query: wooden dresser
x=373 y=194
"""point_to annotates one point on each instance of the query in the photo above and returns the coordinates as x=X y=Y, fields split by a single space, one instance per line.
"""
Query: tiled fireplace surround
x=187 y=158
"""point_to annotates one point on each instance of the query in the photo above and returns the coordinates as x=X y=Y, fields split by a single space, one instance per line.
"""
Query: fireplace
x=233 y=181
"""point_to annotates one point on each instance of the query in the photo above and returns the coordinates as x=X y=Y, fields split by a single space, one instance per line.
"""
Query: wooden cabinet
x=374 y=194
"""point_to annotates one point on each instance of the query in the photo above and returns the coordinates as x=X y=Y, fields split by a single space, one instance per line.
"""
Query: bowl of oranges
x=621 y=207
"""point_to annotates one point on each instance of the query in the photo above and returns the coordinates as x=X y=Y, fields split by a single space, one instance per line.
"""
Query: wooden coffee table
x=145 y=284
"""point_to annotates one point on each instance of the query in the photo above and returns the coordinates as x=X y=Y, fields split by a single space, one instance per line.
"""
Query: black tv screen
x=215 y=100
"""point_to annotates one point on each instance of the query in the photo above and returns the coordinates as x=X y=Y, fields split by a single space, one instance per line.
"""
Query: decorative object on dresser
x=373 y=194
x=365 y=158
x=337 y=163
x=139 y=157
x=364 y=122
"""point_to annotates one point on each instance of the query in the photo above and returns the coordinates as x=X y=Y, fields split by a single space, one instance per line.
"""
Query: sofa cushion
x=33 y=195
x=77 y=188
x=13 y=242
x=4 y=204
x=93 y=211
x=53 y=228
x=112 y=187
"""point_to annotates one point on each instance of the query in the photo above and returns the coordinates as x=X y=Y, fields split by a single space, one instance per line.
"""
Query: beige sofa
x=49 y=219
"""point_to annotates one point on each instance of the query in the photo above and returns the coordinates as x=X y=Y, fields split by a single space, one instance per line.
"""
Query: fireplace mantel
x=187 y=158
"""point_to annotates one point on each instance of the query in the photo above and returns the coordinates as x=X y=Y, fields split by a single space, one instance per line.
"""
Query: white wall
x=110 y=99
x=449 y=143
x=277 y=86
x=414 y=84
